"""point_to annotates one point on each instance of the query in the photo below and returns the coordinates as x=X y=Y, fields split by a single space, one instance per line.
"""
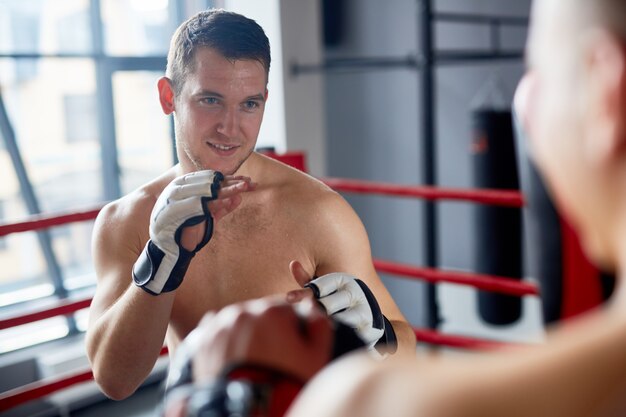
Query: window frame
x=106 y=66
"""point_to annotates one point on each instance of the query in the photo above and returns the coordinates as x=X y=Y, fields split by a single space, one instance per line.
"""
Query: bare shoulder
x=303 y=192
x=123 y=223
x=320 y=212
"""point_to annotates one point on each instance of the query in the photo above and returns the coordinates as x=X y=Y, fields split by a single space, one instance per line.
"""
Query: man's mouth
x=222 y=148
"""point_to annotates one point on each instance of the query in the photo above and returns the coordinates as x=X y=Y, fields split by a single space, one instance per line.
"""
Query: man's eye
x=210 y=100
x=251 y=104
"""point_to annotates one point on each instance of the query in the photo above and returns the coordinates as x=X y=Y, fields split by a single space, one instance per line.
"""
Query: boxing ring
x=502 y=285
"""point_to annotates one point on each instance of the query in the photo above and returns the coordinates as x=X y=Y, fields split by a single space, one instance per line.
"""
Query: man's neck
x=619 y=257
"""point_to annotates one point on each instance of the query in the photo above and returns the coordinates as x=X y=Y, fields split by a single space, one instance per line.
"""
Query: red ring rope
x=38 y=389
x=483 y=196
x=493 y=283
x=60 y=308
x=43 y=221
x=35 y=390
x=495 y=197
x=464 y=342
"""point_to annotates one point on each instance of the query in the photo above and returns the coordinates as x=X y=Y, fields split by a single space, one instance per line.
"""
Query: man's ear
x=606 y=82
x=166 y=95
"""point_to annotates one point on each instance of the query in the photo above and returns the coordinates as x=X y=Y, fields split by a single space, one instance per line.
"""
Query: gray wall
x=373 y=132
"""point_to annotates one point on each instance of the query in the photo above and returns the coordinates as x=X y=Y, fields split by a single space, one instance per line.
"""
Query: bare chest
x=248 y=257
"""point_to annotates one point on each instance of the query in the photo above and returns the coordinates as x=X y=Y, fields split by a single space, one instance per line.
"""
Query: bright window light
x=32 y=334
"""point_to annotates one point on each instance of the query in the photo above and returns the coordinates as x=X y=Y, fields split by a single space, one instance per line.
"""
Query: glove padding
x=350 y=301
x=164 y=261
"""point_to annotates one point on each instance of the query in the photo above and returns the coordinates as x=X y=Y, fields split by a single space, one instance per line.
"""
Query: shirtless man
x=572 y=103
x=225 y=224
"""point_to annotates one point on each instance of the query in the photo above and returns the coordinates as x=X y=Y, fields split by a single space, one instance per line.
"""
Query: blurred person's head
x=574 y=110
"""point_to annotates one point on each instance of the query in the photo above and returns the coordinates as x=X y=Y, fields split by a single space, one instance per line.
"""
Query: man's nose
x=229 y=123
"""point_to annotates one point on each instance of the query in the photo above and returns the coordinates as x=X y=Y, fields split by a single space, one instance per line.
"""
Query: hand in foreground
x=296 y=339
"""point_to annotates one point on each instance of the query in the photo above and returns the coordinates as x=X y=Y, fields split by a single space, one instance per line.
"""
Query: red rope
x=435 y=338
x=42 y=221
x=485 y=196
x=493 y=283
x=61 y=308
x=38 y=389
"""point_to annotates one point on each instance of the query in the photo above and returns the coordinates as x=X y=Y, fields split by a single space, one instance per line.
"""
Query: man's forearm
x=405 y=336
x=124 y=343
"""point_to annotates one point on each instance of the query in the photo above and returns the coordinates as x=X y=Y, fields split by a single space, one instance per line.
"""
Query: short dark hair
x=231 y=34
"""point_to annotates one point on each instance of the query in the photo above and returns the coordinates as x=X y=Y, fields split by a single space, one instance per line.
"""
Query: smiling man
x=224 y=225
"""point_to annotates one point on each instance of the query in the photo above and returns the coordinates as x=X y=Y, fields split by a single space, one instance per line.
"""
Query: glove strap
x=389 y=342
x=147 y=265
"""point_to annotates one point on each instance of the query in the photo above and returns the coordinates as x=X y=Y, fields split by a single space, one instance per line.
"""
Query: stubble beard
x=197 y=163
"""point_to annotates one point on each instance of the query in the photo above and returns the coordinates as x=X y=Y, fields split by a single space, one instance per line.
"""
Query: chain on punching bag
x=498 y=235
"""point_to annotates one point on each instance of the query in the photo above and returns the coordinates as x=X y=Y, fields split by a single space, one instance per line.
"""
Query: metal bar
x=30 y=199
x=451 y=57
x=362 y=63
x=429 y=154
x=37 y=55
x=442 y=57
x=106 y=118
x=473 y=18
x=179 y=14
x=136 y=61
x=495 y=36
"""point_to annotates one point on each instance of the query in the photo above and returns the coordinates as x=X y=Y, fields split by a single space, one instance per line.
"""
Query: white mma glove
x=164 y=261
x=350 y=301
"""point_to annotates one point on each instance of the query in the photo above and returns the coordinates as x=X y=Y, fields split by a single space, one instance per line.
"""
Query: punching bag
x=498 y=249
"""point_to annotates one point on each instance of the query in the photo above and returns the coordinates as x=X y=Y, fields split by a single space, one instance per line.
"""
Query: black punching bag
x=498 y=248
x=569 y=283
x=543 y=252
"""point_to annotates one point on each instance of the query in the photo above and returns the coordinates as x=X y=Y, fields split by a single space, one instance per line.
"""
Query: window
x=78 y=81
x=81 y=118
x=3 y=242
x=136 y=27
x=145 y=146
x=79 y=110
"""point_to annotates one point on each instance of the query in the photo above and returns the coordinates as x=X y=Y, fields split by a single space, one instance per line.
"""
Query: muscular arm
x=346 y=248
x=126 y=324
x=580 y=372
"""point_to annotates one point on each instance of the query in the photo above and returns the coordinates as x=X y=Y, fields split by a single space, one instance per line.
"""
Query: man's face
x=559 y=118
x=218 y=112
